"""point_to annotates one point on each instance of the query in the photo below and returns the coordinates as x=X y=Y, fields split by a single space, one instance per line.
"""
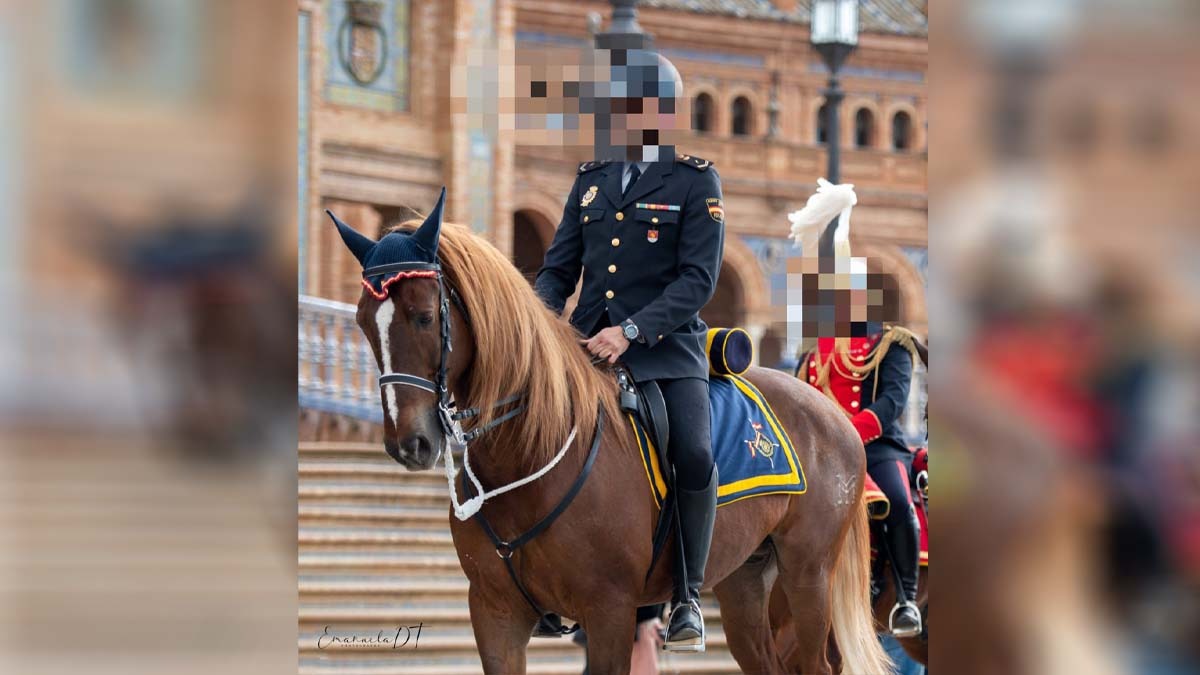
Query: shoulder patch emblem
x=715 y=209
x=693 y=161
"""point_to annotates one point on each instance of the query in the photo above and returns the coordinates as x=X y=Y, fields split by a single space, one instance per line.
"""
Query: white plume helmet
x=809 y=222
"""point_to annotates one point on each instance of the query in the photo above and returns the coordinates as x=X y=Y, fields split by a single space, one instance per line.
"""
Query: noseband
x=448 y=414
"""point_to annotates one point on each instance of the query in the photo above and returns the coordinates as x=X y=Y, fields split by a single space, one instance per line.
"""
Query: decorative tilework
x=389 y=91
x=919 y=257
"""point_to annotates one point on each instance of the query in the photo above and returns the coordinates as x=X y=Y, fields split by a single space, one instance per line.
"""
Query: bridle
x=448 y=414
x=450 y=418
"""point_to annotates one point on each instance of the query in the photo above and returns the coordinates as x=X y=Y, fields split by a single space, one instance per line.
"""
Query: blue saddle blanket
x=752 y=450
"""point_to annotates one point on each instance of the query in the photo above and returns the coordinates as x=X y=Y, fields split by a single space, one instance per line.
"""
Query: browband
x=401 y=267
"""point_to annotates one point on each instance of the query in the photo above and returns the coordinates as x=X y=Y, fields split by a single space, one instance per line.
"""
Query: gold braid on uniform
x=840 y=359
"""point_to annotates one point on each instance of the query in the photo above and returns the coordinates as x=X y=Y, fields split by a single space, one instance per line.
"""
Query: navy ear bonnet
x=398 y=255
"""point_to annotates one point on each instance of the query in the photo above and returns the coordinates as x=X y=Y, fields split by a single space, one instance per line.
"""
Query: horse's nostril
x=416 y=445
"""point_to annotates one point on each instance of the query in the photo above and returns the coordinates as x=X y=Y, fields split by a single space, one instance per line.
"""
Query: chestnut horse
x=591 y=564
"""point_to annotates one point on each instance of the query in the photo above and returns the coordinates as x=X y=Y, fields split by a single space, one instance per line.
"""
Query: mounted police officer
x=645 y=226
x=865 y=367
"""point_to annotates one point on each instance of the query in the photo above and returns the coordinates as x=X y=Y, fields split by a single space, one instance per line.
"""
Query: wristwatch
x=630 y=330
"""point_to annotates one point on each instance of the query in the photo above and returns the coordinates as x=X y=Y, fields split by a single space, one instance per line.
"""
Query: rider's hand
x=609 y=343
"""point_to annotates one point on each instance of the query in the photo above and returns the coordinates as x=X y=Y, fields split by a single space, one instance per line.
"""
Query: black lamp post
x=624 y=32
x=834 y=34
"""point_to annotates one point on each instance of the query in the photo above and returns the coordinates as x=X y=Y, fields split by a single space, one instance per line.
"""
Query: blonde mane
x=521 y=347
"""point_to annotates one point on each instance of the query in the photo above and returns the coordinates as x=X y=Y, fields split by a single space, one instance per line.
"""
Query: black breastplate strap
x=506 y=549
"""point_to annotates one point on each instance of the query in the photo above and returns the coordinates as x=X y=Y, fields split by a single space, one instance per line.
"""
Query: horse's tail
x=853 y=620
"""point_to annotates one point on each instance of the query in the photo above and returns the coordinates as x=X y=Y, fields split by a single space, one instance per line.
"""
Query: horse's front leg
x=502 y=630
x=610 y=632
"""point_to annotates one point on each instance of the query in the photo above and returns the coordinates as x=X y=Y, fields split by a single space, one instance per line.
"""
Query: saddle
x=648 y=407
x=646 y=404
x=730 y=352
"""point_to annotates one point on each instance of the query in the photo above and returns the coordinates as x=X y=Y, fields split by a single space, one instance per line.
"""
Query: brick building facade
x=375 y=148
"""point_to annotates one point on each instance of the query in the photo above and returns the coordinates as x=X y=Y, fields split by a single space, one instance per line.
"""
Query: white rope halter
x=469 y=508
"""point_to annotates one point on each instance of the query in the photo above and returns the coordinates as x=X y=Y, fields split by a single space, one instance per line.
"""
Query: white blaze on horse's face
x=383 y=322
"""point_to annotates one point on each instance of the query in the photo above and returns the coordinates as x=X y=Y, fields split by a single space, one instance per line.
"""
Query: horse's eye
x=425 y=320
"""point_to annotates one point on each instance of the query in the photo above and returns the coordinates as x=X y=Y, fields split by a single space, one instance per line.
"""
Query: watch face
x=631 y=331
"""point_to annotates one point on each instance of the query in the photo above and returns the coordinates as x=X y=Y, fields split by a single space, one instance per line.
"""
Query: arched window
x=864 y=128
x=702 y=113
x=743 y=120
x=901 y=131
x=823 y=124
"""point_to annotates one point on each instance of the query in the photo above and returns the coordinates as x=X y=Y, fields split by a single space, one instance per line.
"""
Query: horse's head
x=407 y=317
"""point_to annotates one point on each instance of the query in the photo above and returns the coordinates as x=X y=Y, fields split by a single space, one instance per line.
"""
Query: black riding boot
x=697 y=511
x=905 y=544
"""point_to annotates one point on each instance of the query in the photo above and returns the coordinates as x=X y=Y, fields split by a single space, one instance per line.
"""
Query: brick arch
x=917 y=140
x=718 y=115
x=850 y=109
x=912 y=288
x=756 y=294
x=811 y=109
x=546 y=206
x=757 y=110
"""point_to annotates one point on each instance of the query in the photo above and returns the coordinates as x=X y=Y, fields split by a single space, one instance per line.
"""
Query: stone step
x=375 y=492
x=349 y=537
x=405 y=561
x=366 y=515
x=383 y=468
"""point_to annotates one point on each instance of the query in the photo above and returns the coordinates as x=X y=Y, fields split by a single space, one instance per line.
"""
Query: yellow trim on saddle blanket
x=786 y=482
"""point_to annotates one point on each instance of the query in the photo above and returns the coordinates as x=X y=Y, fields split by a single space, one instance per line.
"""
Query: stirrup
x=692 y=644
x=892 y=621
x=548 y=626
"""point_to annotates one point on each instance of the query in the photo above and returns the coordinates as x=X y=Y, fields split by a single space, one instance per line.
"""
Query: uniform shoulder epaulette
x=901 y=336
x=589 y=166
x=694 y=162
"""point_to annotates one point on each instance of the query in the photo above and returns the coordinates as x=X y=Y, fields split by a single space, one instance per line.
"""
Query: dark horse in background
x=591 y=564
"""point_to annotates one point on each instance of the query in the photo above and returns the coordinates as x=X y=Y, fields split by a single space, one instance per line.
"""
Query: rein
x=506 y=549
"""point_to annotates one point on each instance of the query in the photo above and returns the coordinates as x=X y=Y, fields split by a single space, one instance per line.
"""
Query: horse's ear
x=430 y=231
x=358 y=244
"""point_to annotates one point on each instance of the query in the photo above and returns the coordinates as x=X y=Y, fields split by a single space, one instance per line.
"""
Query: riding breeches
x=901 y=527
x=891 y=475
x=690 y=443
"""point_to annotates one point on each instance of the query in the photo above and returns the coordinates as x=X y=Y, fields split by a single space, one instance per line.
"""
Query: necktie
x=634 y=174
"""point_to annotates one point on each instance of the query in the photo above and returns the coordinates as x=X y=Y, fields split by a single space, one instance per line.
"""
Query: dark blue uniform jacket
x=652 y=256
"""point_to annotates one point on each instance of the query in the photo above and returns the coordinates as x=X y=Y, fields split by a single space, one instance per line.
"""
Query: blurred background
x=1064 y=391
x=147 y=372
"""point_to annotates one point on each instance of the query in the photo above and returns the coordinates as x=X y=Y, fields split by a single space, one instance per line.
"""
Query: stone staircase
x=375 y=554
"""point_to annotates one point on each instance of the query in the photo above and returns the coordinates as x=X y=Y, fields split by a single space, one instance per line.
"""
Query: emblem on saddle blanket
x=761 y=444
x=763 y=465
